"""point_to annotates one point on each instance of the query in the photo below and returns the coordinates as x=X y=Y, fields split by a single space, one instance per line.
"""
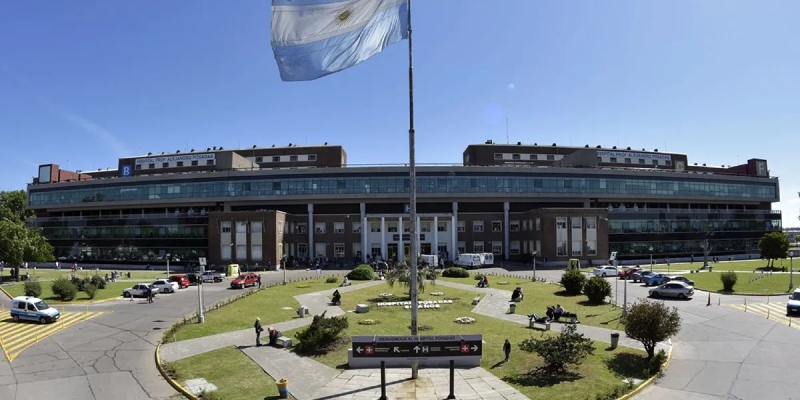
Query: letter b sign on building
x=125 y=171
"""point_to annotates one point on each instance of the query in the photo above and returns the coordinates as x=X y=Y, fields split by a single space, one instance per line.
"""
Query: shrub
x=90 y=290
x=331 y=279
x=362 y=272
x=597 y=289
x=728 y=279
x=479 y=277
x=64 y=288
x=651 y=322
x=98 y=281
x=33 y=288
x=656 y=363
x=573 y=281
x=323 y=335
x=561 y=351
x=455 y=272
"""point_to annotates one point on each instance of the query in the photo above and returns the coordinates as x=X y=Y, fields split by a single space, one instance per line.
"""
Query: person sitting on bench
x=337 y=298
x=516 y=295
x=483 y=282
x=560 y=312
x=551 y=313
x=274 y=334
x=537 y=319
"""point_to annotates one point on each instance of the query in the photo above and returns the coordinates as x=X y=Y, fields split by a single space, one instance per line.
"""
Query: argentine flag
x=315 y=38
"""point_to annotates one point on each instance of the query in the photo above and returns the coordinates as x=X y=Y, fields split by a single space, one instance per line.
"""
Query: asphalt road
x=109 y=357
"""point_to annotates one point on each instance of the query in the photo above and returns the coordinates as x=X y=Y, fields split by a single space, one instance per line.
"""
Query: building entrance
x=391 y=248
x=425 y=248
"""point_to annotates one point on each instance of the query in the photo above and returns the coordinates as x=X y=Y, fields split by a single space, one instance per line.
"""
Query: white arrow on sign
x=396 y=349
x=475 y=347
x=416 y=349
x=359 y=350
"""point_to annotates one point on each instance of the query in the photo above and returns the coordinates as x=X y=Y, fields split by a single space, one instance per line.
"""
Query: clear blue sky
x=84 y=82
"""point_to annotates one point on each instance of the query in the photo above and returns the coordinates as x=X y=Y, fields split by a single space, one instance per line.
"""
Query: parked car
x=32 y=309
x=654 y=279
x=627 y=273
x=194 y=279
x=793 y=306
x=673 y=289
x=605 y=270
x=680 y=278
x=213 y=276
x=638 y=275
x=138 y=290
x=165 y=286
x=181 y=280
x=244 y=280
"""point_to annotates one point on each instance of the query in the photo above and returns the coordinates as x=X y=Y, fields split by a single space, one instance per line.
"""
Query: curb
x=6 y=293
x=87 y=302
x=650 y=381
x=177 y=386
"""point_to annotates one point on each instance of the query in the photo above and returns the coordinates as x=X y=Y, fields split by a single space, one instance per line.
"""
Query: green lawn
x=50 y=274
x=267 y=304
x=539 y=295
x=236 y=376
x=112 y=290
x=599 y=374
x=745 y=283
x=745 y=265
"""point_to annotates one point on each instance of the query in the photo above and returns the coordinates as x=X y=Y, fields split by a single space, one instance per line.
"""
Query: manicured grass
x=267 y=304
x=745 y=265
x=50 y=274
x=599 y=374
x=112 y=290
x=539 y=295
x=234 y=374
x=767 y=284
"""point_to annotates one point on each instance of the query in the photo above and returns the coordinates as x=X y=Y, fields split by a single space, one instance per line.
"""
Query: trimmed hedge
x=455 y=272
x=362 y=272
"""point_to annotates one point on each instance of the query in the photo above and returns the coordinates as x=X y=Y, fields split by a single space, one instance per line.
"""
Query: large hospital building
x=259 y=204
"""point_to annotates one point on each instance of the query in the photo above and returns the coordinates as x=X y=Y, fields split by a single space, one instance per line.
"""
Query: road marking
x=15 y=337
x=773 y=311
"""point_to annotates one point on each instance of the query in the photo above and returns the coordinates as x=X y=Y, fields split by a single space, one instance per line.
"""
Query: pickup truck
x=628 y=272
x=213 y=276
x=138 y=290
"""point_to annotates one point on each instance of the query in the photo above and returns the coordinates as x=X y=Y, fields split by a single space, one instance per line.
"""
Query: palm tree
x=402 y=273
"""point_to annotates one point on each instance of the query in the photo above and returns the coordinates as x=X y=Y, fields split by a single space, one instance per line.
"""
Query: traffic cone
x=709 y=299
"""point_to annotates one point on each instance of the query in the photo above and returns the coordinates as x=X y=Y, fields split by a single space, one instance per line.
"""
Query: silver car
x=676 y=289
x=683 y=279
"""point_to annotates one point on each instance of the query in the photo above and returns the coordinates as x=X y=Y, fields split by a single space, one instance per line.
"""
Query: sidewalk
x=494 y=303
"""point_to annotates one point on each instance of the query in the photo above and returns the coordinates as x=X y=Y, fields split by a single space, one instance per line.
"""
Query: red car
x=627 y=272
x=244 y=280
x=181 y=280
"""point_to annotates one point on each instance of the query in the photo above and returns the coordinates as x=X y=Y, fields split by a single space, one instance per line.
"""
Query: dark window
x=151 y=166
x=276 y=158
x=195 y=163
x=292 y=158
x=498 y=156
x=312 y=157
x=515 y=156
x=165 y=165
x=138 y=166
x=209 y=162
x=259 y=159
x=180 y=163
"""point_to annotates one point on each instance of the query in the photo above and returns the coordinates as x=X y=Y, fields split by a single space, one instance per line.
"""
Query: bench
x=362 y=308
x=345 y=284
x=475 y=301
x=284 y=342
x=545 y=324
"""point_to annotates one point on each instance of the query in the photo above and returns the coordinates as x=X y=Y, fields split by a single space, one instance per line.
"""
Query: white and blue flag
x=315 y=38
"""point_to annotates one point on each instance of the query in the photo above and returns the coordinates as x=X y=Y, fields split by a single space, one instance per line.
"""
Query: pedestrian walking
x=258 y=329
x=149 y=294
x=507 y=350
x=258 y=281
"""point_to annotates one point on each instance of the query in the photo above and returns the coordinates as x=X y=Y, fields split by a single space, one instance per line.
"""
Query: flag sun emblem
x=344 y=16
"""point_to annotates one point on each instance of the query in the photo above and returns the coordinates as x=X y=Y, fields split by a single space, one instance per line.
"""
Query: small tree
x=597 y=289
x=558 y=353
x=651 y=322
x=324 y=334
x=402 y=273
x=728 y=279
x=773 y=245
x=573 y=281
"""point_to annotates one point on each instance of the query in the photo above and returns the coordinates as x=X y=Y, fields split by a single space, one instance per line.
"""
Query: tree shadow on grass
x=564 y=293
x=539 y=378
x=627 y=365
x=587 y=303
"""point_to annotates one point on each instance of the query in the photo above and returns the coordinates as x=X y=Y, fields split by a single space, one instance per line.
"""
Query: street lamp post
x=168 y=255
x=200 y=317
x=533 y=257
x=651 y=258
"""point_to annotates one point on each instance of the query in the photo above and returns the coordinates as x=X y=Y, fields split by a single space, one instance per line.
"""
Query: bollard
x=719 y=300
x=768 y=313
x=745 y=304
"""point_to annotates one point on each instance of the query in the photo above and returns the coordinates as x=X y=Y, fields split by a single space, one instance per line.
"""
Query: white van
x=469 y=260
x=793 y=306
x=32 y=309
x=428 y=259
x=488 y=259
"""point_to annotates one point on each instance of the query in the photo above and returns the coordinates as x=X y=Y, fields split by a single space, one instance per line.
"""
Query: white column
x=383 y=238
x=401 y=256
x=312 y=251
x=435 y=246
x=506 y=242
x=419 y=232
x=454 y=233
x=363 y=232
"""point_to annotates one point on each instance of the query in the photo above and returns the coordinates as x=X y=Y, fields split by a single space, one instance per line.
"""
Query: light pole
x=533 y=257
x=283 y=266
x=651 y=258
x=624 y=291
x=168 y=265
x=200 y=317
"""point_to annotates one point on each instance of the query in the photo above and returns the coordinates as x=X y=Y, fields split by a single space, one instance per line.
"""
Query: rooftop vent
x=656 y=150
x=220 y=147
x=326 y=143
x=644 y=150
x=598 y=147
x=554 y=145
x=629 y=148
x=290 y=145
x=587 y=146
x=704 y=164
x=162 y=153
x=177 y=151
x=254 y=146
x=614 y=148
x=273 y=145
x=695 y=163
x=208 y=149
x=536 y=144
x=519 y=143
x=215 y=147
x=488 y=142
x=150 y=153
x=191 y=151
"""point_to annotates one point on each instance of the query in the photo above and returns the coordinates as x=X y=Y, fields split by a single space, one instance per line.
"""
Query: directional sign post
x=417 y=347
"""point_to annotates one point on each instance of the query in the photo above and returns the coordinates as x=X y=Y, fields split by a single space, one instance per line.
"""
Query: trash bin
x=302 y=311
x=283 y=388
x=512 y=308
x=614 y=340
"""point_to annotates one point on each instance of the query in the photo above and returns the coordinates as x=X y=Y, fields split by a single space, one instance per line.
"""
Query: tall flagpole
x=412 y=165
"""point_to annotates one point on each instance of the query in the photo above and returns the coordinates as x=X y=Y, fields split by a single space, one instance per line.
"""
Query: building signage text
x=625 y=154
x=181 y=157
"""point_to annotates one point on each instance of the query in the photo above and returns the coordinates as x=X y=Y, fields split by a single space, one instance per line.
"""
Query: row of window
x=555 y=157
x=129 y=232
x=400 y=185
x=291 y=158
x=124 y=253
x=692 y=247
x=193 y=163
x=686 y=226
